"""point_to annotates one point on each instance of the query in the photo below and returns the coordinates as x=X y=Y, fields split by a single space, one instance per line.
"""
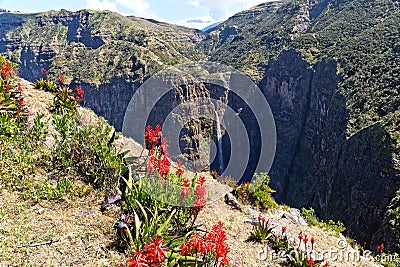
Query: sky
x=191 y=13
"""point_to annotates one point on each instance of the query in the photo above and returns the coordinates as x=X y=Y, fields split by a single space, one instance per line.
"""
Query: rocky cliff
x=328 y=71
x=101 y=51
x=328 y=68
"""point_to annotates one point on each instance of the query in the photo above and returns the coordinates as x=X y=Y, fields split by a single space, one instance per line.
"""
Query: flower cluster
x=79 y=94
x=209 y=247
x=152 y=255
x=158 y=156
x=380 y=248
x=151 y=137
x=200 y=194
x=12 y=101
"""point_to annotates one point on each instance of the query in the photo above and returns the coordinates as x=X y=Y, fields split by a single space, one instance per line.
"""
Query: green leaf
x=162 y=227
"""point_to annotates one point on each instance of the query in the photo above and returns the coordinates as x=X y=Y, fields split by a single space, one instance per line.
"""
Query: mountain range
x=330 y=70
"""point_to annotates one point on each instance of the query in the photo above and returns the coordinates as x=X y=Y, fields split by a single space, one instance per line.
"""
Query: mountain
x=328 y=68
x=98 y=50
x=210 y=27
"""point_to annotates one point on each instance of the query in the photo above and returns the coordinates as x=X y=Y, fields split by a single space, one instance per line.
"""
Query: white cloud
x=101 y=5
x=222 y=9
x=197 y=22
x=194 y=2
x=251 y=3
x=139 y=7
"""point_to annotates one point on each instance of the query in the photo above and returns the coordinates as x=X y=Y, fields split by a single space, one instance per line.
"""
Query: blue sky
x=191 y=13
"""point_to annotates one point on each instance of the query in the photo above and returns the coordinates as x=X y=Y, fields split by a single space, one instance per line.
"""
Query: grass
x=312 y=219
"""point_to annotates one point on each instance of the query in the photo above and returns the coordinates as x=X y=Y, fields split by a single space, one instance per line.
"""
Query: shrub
x=312 y=219
x=258 y=193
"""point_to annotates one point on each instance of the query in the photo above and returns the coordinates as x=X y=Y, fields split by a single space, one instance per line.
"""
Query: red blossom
x=151 y=137
x=79 y=94
x=154 y=253
x=224 y=261
x=185 y=191
x=200 y=191
x=164 y=165
x=138 y=260
x=262 y=220
x=5 y=70
x=151 y=164
x=46 y=73
x=201 y=180
x=62 y=79
x=180 y=168
x=185 y=249
x=18 y=112
x=199 y=203
x=20 y=102
x=164 y=147
x=312 y=240
x=8 y=87
x=305 y=239
x=19 y=87
x=283 y=229
x=301 y=236
x=310 y=261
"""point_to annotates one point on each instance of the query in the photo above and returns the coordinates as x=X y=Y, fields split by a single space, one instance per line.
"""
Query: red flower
x=217 y=234
x=283 y=229
x=185 y=191
x=5 y=70
x=154 y=253
x=18 y=112
x=312 y=240
x=201 y=180
x=262 y=219
x=310 y=262
x=138 y=260
x=79 y=94
x=200 y=191
x=8 y=87
x=62 y=80
x=300 y=236
x=224 y=261
x=196 y=243
x=151 y=164
x=199 y=203
x=380 y=247
x=151 y=137
x=305 y=239
x=221 y=250
x=164 y=166
x=180 y=168
x=19 y=87
x=20 y=102
x=164 y=147
x=46 y=73
x=185 y=249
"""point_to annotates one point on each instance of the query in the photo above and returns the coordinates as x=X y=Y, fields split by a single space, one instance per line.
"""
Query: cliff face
x=316 y=164
x=336 y=104
x=107 y=54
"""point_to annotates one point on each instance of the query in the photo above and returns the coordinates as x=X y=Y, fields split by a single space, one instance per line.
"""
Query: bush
x=258 y=193
x=87 y=151
x=312 y=219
